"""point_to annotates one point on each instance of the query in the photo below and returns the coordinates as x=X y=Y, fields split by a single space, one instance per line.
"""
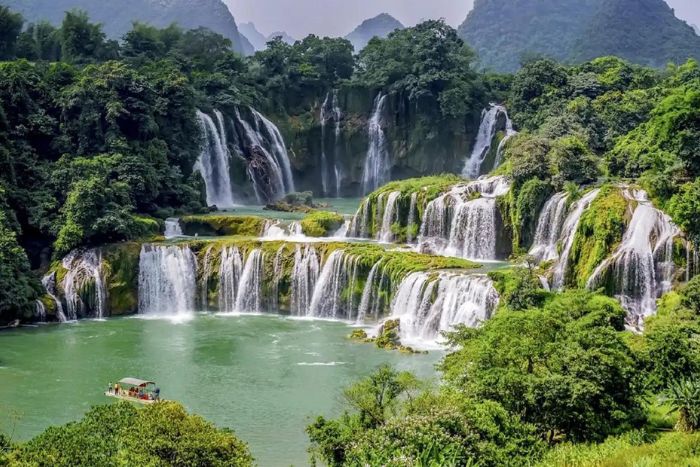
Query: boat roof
x=135 y=381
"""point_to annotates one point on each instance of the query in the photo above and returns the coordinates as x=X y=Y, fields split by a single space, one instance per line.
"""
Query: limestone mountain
x=504 y=32
x=282 y=34
x=118 y=16
x=255 y=37
x=379 y=26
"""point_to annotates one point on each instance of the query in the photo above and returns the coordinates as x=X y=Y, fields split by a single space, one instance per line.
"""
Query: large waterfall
x=339 y=273
x=250 y=293
x=83 y=285
x=172 y=228
x=49 y=283
x=388 y=212
x=214 y=160
x=641 y=268
x=464 y=222
x=549 y=226
x=230 y=270
x=304 y=277
x=377 y=169
x=427 y=304
x=484 y=139
x=167 y=280
x=330 y=112
x=567 y=236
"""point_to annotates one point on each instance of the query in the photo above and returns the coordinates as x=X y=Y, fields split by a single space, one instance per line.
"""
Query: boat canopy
x=135 y=382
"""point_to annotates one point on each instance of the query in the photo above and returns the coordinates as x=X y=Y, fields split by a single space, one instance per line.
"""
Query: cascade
x=207 y=270
x=277 y=274
x=549 y=226
x=330 y=111
x=338 y=274
x=274 y=230
x=39 y=311
x=337 y=116
x=567 y=236
x=377 y=163
x=324 y=162
x=371 y=301
x=359 y=225
x=304 y=277
x=641 y=269
x=389 y=217
x=250 y=294
x=510 y=133
x=487 y=132
x=83 y=285
x=411 y=223
x=427 y=304
x=464 y=221
x=213 y=162
x=167 y=280
x=49 y=283
x=230 y=271
x=172 y=228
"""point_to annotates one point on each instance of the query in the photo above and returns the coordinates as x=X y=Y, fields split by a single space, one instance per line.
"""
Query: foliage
x=563 y=367
x=321 y=223
x=519 y=288
x=120 y=434
x=684 y=208
x=684 y=397
x=221 y=225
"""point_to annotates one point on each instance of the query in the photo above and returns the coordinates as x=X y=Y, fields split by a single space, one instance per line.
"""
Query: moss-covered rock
x=222 y=225
x=321 y=223
x=120 y=267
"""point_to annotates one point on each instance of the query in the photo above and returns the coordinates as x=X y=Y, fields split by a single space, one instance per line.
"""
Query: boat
x=134 y=390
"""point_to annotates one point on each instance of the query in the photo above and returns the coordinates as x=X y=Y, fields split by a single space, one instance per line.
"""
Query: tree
x=10 y=27
x=684 y=398
x=563 y=367
x=573 y=161
x=40 y=41
x=684 y=207
x=83 y=41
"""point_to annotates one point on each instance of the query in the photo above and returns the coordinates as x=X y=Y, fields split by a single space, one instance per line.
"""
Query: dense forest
x=99 y=140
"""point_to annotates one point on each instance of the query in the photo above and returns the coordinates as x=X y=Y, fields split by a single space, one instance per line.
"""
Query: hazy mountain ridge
x=379 y=26
x=503 y=32
x=117 y=17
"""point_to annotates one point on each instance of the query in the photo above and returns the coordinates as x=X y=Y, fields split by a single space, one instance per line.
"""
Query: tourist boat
x=134 y=390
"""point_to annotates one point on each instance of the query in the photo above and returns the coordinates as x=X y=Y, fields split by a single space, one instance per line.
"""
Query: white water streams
x=213 y=162
x=304 y=277
x=390 y=215
x=568 y=233
x=230 y=271
x=484 y=139
x=39 y=311
x=377 y=169
x=411 y=224
x=359 y=225
x=250 y=293
x=510 y=133
x=549 y=226
x=427 y=304
x=83 y=285
x=641 y=268
x=167 y=280
x=49 y=283
x=339 y=272
x=172 y=228
x=463 y=221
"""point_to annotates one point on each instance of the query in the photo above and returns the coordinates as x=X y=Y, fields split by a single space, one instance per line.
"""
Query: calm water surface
x=264 y=376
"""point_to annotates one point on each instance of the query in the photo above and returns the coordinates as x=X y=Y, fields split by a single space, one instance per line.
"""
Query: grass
x=208 y=225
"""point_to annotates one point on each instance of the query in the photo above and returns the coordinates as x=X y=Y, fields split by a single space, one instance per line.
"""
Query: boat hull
x=130 y=399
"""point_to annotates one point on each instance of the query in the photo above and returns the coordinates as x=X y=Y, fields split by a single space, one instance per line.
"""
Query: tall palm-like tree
x=684 y=398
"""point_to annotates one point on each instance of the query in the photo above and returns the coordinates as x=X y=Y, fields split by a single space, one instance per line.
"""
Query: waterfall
x=330 y=111
x=213 y=162
x=549 y=225
x=230 y=271
x=250 y=294
x=339 y=274
x=172 y=228
x=337 y=116
x=167 y=280
x=371 y=301
x=324 y=162
x=277 y=275
x=464 y=221
x=389 y=217
x=359 y=225
x=39 y=311
x=83 y=285
x=427 y=304
x=568 y=234
x=641 y=269
x=377 y=163
x=411 y=223
x=304 y=277
x=484 y=139
x=207 y=269
x=49 y=283
x=510 y=133
x=274 y=230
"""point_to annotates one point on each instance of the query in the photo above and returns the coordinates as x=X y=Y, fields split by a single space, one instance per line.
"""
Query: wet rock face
x=260 y=169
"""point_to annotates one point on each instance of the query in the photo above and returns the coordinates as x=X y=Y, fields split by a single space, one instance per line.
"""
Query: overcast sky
x=339 y=17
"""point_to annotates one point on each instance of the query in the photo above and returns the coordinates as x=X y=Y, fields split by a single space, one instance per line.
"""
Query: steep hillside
x=504 y=32
x=118 y=16
x=379 y=26
x=255 y=37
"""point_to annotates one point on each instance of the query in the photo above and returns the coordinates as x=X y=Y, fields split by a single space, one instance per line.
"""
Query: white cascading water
x=275 y=230
x=641 y=269
x=213 y=162
x=339 y=272
x=304 y=278
x=411 y=223
x=359 y=225
x=230 y=271
x=484 y=139
x=428 y=304
x=371 y=303
x=167 y=280
x=567 y=236
x=172 y=228
x=463 y=221
x=84 y=276
x=337 y=117
x=325 y=116
x=207 y=268
x=549 y=226
x=390 y=215
x=250 y=293
x=510 y=133
x=39 y=311
x=49 y=283
x=377 y=169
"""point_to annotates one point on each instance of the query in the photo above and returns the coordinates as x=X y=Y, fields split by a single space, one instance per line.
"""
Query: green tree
x=684 y=398
x=573 y=161
x=10 y=27
x=40 y=41
x=83 y=41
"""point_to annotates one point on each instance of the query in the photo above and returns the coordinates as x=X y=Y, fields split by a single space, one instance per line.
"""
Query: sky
x=339 y=17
